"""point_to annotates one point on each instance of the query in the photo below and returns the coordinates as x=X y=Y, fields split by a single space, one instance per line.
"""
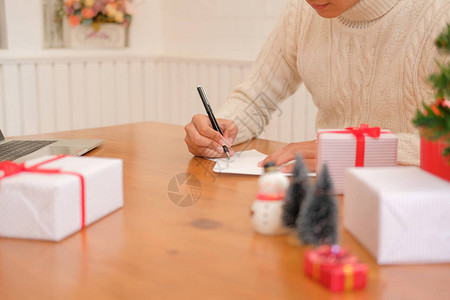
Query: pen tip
x=228 y=155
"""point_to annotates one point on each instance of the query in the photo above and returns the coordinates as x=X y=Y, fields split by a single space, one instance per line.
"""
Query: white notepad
x=244 y=162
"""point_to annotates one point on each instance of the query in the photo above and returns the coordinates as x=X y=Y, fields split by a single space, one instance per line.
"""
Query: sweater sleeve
x=272 y=78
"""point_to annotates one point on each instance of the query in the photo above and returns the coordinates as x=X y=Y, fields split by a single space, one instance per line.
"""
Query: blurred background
x=49 y=84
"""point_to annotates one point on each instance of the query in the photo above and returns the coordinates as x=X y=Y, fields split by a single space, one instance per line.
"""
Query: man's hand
x=202 y=140
x=288 y=153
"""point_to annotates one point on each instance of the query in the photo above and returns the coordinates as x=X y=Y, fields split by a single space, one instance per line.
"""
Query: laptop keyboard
x=13 y=150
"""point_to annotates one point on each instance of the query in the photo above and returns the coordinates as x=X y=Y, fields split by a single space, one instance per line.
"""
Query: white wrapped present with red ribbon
x=362 y=146
x=399 y=214
x=51 y=197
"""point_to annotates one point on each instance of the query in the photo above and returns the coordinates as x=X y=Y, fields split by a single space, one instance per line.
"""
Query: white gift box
x=400 y=214
x=338 y=149
x=50 y=206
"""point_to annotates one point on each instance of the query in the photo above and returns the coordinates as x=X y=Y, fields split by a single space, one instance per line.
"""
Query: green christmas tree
x=318 y=217
x=296 y=192
x=434 y=120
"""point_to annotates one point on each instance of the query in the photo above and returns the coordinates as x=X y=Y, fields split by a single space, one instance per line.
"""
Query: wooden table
x=154 y=249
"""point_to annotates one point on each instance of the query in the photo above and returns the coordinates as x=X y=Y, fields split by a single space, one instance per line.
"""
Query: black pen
x=211 y=116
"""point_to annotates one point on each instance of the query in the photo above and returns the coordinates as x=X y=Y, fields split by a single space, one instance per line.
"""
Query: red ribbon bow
x=364 y=129
x=326 y=255
x=360 y=133
x=9 y=168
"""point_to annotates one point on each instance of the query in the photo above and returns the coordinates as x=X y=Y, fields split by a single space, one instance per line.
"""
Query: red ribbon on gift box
x=9 y=168
x=360 y=133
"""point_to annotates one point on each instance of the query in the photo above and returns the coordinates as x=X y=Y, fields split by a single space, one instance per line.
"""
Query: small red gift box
x=315 y=259
x=337 y=270
x=347 y=277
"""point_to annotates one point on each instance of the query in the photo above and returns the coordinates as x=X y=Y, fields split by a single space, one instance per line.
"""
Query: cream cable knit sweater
x=368 y=65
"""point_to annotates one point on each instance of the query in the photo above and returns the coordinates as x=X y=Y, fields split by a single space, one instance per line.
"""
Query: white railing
x=64 y=90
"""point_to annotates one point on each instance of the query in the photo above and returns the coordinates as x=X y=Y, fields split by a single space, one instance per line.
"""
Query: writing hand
x=202 y=140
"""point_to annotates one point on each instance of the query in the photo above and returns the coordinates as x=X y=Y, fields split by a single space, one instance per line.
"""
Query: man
x=364 y=61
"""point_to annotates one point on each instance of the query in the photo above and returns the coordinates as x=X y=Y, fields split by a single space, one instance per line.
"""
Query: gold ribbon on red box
x=348 y=277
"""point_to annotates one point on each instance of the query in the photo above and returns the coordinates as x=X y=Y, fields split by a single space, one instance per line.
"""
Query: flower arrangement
x=95 y=12
x=434 y=121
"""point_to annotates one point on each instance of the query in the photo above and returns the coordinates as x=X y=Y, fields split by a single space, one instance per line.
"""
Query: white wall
x=146 y=30
x=24 y=19
x=231 y=29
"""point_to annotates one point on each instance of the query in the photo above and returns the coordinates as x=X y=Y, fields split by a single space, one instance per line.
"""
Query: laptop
x=20 y=150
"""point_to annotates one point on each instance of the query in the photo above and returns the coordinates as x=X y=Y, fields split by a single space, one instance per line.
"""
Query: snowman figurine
x=267 y=209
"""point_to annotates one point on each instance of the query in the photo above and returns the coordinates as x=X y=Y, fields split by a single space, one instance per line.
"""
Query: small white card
x=244 y=162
